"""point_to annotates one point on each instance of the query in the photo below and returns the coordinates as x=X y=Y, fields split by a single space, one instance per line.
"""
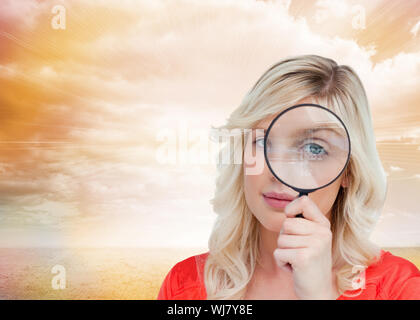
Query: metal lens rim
x=268 y=132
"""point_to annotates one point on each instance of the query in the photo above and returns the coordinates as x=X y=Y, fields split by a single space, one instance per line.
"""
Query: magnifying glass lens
x=307 y=147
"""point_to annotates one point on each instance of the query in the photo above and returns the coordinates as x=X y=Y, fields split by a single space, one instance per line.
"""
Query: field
x=99 y=273
x=412 y=254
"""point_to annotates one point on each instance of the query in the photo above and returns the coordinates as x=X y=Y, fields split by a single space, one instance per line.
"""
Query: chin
x=271 y=228
x=272 y=223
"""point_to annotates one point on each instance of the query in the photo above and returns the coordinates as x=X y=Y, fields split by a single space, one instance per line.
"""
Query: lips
x=279 y=196
x=278 y=200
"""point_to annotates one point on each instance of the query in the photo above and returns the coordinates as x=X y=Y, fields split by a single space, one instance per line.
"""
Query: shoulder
x=397 y=278
x=390 y=277
x=185 y=279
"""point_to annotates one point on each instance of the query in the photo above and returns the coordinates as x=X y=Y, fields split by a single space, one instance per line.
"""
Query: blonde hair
x=234 y=241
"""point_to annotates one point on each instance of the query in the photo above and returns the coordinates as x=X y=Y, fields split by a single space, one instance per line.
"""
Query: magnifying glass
x=307 y=147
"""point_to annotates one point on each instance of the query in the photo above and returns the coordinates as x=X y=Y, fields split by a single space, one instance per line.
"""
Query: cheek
x=251 y=185
x=254 y=171
x=325 y=197
x=254 y=161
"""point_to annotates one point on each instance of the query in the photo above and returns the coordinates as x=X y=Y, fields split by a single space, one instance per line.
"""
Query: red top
x=391 y=278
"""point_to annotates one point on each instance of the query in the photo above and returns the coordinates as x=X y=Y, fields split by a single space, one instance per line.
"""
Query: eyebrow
x=339 y=131
x=334 y=129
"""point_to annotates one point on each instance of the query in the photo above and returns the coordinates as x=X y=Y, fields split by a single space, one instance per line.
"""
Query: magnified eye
x=314 y=149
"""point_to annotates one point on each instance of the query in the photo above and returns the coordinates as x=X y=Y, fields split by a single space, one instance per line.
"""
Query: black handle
x=301 y=194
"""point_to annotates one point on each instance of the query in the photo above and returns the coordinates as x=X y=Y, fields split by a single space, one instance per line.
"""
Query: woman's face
x=268 y=212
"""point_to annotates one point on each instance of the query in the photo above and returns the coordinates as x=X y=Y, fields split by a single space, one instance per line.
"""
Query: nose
x=273 y=178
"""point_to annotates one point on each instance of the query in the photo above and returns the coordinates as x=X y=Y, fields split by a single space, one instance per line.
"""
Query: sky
x=89 y=89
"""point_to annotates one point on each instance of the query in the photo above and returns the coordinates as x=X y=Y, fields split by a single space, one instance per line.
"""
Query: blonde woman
x=257 y=251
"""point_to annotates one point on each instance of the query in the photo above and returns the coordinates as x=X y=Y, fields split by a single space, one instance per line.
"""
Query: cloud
x=22 y=13
x=397 y=228
x=415 y=29
x=336 y=8
x=395 y=168
x=81 y=108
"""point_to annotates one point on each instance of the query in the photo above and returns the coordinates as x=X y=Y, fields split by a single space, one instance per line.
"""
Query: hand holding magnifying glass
x=304 y=247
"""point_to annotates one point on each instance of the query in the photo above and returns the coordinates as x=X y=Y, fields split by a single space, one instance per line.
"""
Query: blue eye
x=314 y=149
x=259 y=142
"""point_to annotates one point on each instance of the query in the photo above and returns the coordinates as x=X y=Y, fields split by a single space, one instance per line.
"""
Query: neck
x=268 y=243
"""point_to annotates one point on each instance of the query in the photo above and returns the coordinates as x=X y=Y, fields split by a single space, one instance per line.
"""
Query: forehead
x=264 y=123
x=304 y=121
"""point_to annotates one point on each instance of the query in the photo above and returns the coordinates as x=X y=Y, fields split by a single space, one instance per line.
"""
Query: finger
x=285 y=241
x=294 y=226
x=284 y=256
x=307 y=208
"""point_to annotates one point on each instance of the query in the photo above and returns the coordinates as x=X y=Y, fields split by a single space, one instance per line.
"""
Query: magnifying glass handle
x=301 y=194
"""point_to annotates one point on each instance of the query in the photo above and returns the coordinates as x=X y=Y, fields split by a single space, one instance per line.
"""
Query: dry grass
x=411 y=254
x=90 y=273
x=127 y=273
